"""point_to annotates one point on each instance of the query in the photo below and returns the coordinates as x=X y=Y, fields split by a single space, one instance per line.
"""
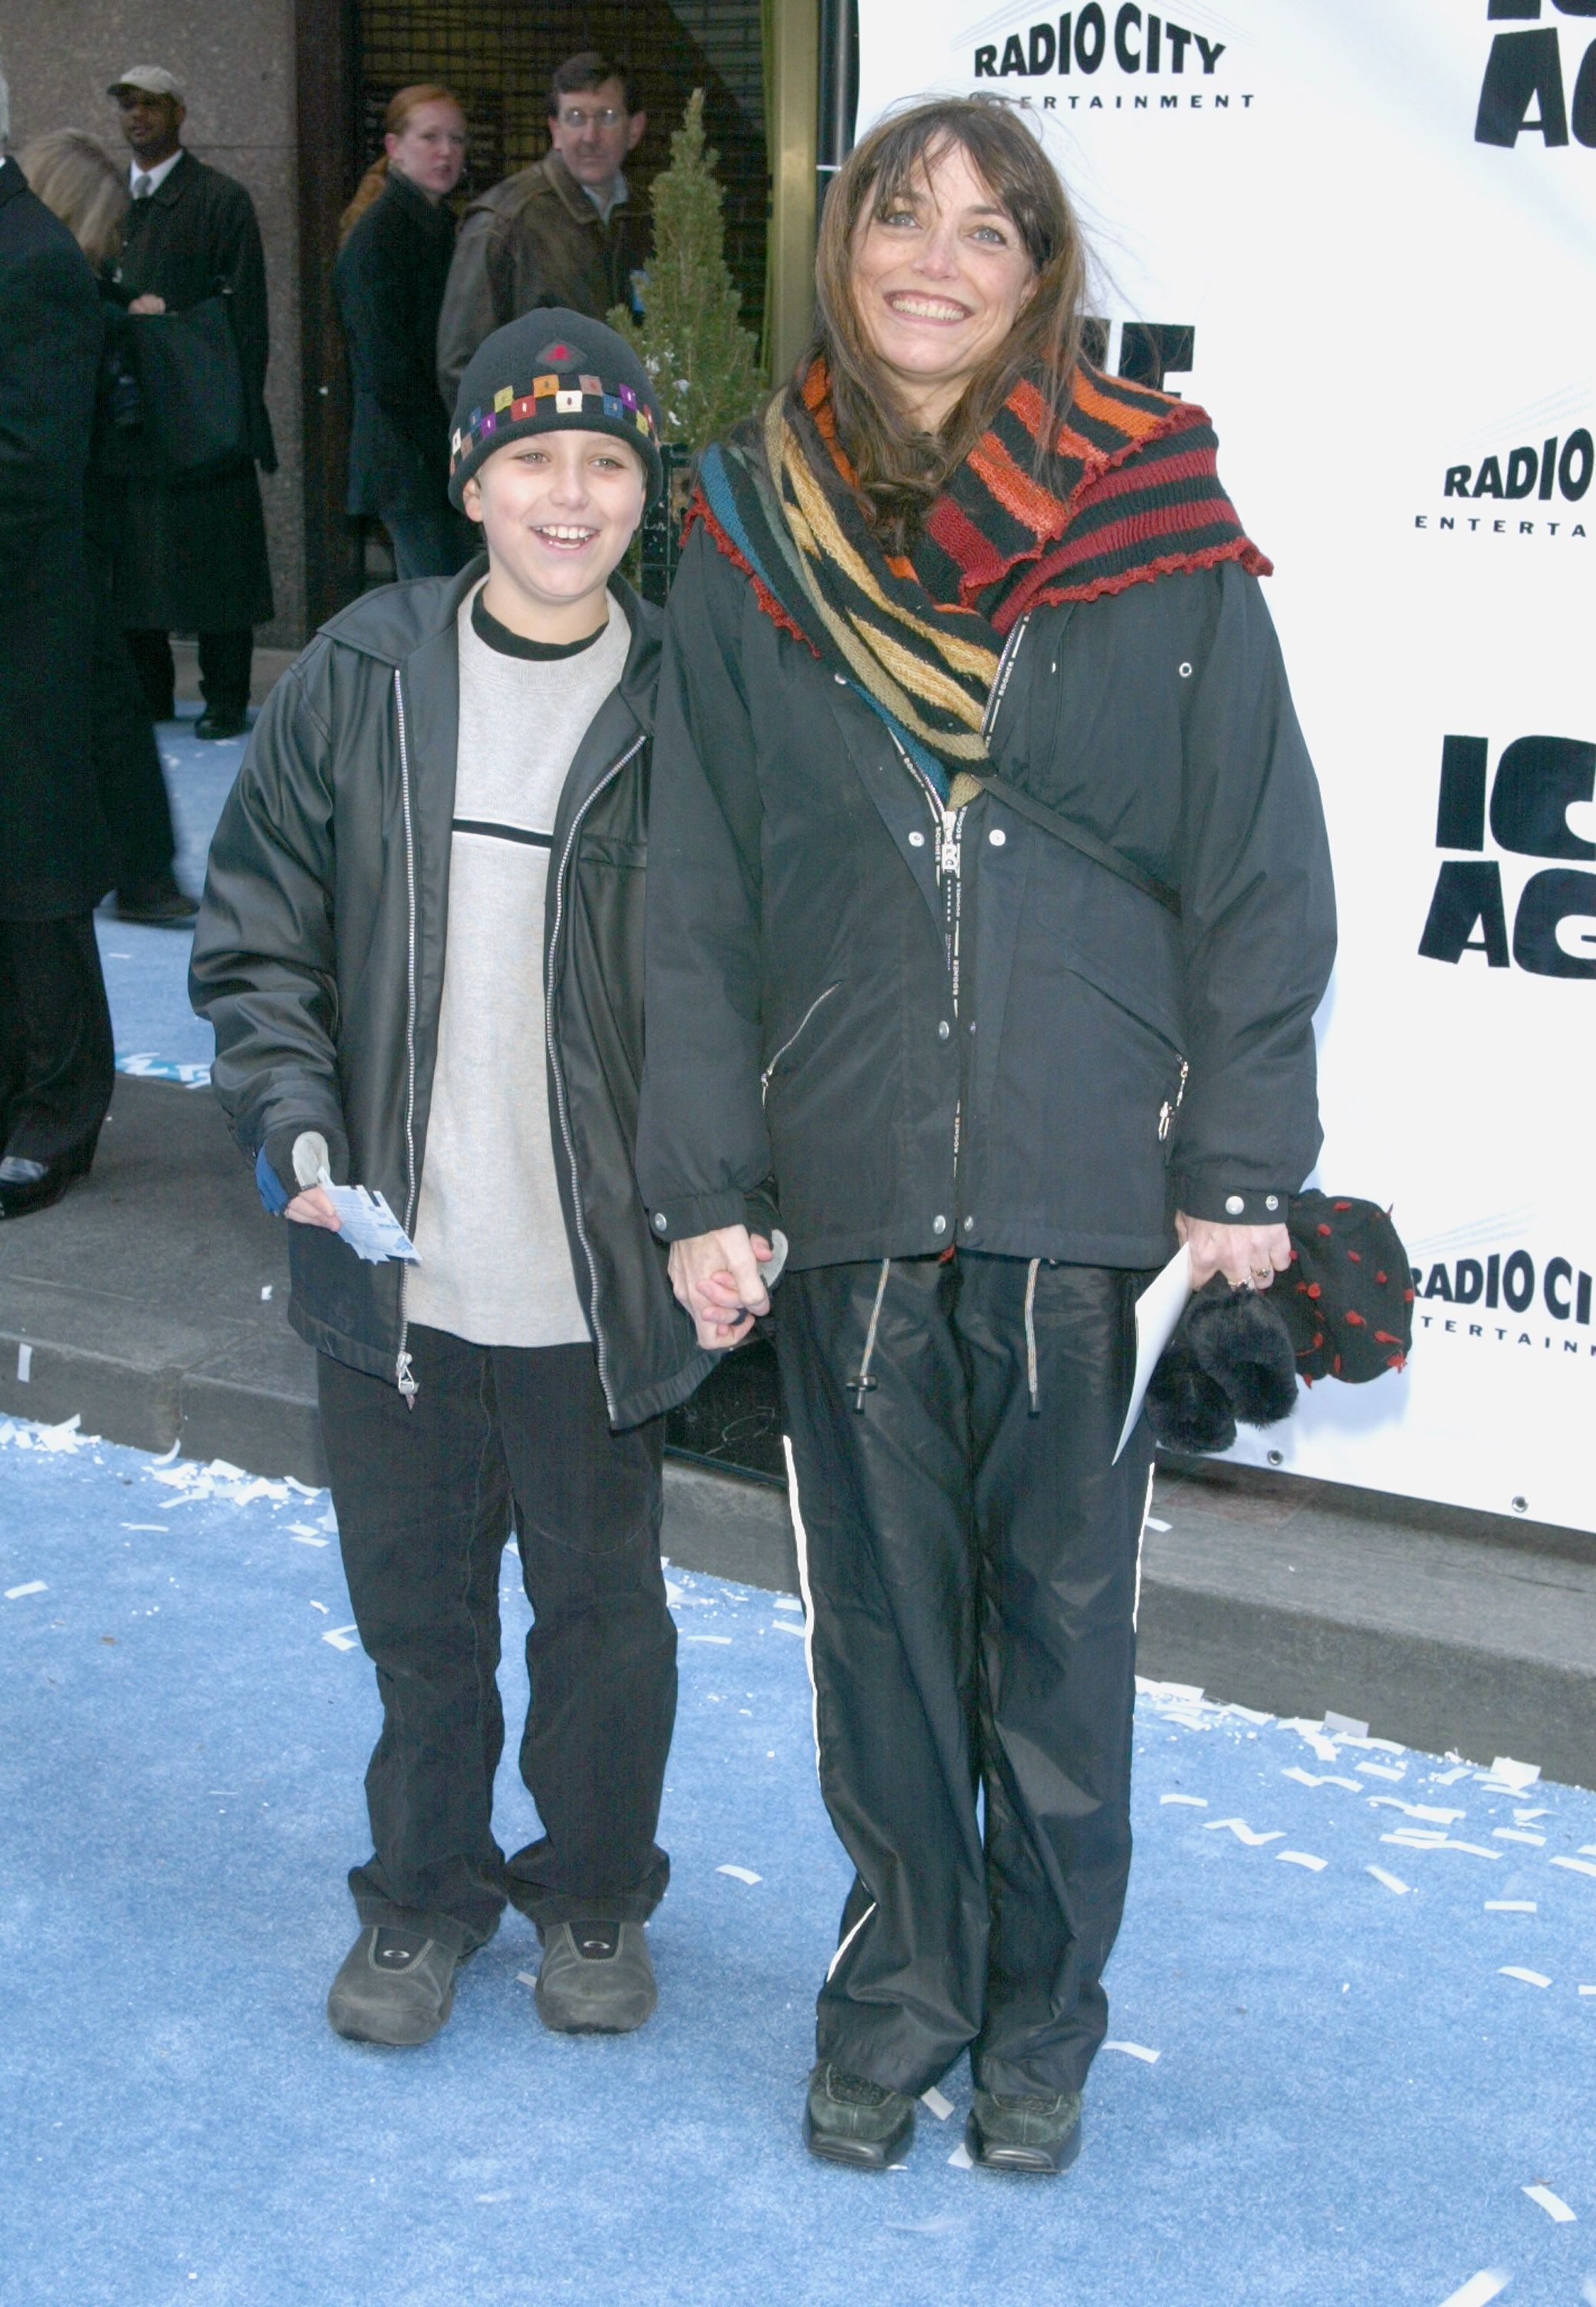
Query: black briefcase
x=186 y=414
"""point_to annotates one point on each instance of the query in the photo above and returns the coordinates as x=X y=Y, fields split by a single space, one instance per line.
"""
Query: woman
x=78 y=181
x=399 y=235
x=989 y=906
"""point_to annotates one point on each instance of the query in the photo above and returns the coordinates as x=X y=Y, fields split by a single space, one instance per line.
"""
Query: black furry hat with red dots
x=1347 y=1296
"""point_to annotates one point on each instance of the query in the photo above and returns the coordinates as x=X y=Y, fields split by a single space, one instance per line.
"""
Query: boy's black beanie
x=552 y=370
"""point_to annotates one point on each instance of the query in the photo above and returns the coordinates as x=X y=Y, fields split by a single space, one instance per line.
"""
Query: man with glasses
x=558 y=233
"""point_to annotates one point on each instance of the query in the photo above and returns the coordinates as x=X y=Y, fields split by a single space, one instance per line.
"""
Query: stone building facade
x=235 y=59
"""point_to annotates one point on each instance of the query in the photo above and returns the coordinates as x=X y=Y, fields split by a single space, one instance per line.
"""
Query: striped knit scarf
x=1128 y=493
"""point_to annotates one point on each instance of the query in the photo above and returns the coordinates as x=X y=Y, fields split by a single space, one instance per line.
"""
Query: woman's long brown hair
x=395 y=120
x=898 y=471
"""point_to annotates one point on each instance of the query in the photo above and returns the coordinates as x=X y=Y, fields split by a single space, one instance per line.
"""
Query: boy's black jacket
x=319 y=959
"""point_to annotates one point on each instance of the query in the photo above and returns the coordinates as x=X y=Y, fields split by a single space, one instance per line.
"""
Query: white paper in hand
x=367 y=1224
x=1158 y=1309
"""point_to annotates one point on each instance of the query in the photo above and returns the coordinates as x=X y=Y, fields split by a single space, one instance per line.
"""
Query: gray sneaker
x=1037 y=2131
x=394 y=1986
x=596 y=1978
x=847 y=2119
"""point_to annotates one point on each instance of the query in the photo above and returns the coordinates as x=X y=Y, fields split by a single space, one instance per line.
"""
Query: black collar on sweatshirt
x=503 y=642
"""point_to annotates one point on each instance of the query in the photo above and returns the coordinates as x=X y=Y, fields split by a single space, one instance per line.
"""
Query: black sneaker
x=394 y=1986
x=596 y=1978
x=1037 y=2131
x=850 y=2120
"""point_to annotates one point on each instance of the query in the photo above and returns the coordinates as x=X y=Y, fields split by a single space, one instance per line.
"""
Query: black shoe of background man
x=392 y=1986
x=850 y=2120
x=596 y=1978
x=158 y=903
x=218 y=721
x=26 y=1186
x=1038 y=2132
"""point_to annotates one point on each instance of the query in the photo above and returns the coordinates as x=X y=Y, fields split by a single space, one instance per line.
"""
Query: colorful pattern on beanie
x=573 y=392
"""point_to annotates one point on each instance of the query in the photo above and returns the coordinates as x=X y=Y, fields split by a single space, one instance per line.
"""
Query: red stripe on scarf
x=1039 y=591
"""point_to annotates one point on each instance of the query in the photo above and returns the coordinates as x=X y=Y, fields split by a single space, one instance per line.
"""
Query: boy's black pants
x=970 y=1568
x=426 y=1497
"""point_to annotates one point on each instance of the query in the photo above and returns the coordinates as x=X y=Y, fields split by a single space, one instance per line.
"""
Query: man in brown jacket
x=558 y=233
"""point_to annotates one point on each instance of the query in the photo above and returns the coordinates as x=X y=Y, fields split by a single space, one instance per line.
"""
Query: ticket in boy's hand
x=367 y=1224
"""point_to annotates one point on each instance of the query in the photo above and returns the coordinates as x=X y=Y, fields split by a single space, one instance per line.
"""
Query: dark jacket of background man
x=55 y=1047
x=196 y=558
x=391 y=276
x=52 y=329
x=535 y=239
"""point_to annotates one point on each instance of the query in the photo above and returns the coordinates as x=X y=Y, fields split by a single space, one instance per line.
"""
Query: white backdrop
x=1381 y=299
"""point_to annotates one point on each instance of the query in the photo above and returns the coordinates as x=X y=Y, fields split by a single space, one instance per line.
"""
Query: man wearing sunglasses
x=558 y=233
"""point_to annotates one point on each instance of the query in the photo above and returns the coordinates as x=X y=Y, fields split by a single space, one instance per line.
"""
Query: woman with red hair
x=398 y=236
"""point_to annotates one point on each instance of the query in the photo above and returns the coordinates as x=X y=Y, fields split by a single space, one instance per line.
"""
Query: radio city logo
x=1537 y=780
x=1490 y=1296
x=1140 y=45
x=1526 y=88
x=1545 y=481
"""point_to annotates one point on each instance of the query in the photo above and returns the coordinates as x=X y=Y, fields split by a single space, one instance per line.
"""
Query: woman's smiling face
x=940 y=275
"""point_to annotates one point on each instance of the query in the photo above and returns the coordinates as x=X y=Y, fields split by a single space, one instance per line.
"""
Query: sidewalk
x=150 y=1303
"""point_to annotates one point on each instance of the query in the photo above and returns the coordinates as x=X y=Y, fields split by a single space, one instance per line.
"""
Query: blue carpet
x=1349 y=2099
x=146 y=970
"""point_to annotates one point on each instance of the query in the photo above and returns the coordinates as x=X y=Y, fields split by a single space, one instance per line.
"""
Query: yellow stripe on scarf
x=820 y=535
x=941 y=691
x=870 y=671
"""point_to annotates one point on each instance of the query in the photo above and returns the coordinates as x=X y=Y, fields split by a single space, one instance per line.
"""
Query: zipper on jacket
x=1000 y=681
x=949 y=836
x=403 y=1375
x=1167 y=1112
x=560 y=1100
x=764 y=1078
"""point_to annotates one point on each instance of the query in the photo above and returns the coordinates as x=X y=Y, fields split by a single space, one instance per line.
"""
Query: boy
x=421 y=949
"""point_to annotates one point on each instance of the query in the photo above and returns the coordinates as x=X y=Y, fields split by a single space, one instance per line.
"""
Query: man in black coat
x=56 y=1052
x=195 y=558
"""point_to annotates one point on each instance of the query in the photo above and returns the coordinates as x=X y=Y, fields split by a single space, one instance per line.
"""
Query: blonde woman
x=398 y=236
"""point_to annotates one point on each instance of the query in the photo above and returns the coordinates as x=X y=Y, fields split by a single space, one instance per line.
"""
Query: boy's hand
x=313 y=1208
x=716 y=1277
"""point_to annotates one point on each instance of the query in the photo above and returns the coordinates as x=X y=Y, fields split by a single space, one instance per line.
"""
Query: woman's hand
x=313 y=1208
x=1245 y=1255
x=148 y=303
x=716 y=1277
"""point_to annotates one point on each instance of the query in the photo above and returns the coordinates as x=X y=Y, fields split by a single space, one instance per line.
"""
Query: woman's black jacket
x=931 y=1031
x=389 y=276
x=319 y=959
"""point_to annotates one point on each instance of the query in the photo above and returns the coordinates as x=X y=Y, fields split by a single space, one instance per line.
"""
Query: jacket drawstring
x=1030 y=1336
x=864 y=1384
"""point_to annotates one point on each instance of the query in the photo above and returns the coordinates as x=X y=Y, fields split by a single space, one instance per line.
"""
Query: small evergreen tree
x=703 y=363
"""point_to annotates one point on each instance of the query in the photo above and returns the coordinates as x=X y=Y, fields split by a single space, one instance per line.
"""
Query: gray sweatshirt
x=495 y=1265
